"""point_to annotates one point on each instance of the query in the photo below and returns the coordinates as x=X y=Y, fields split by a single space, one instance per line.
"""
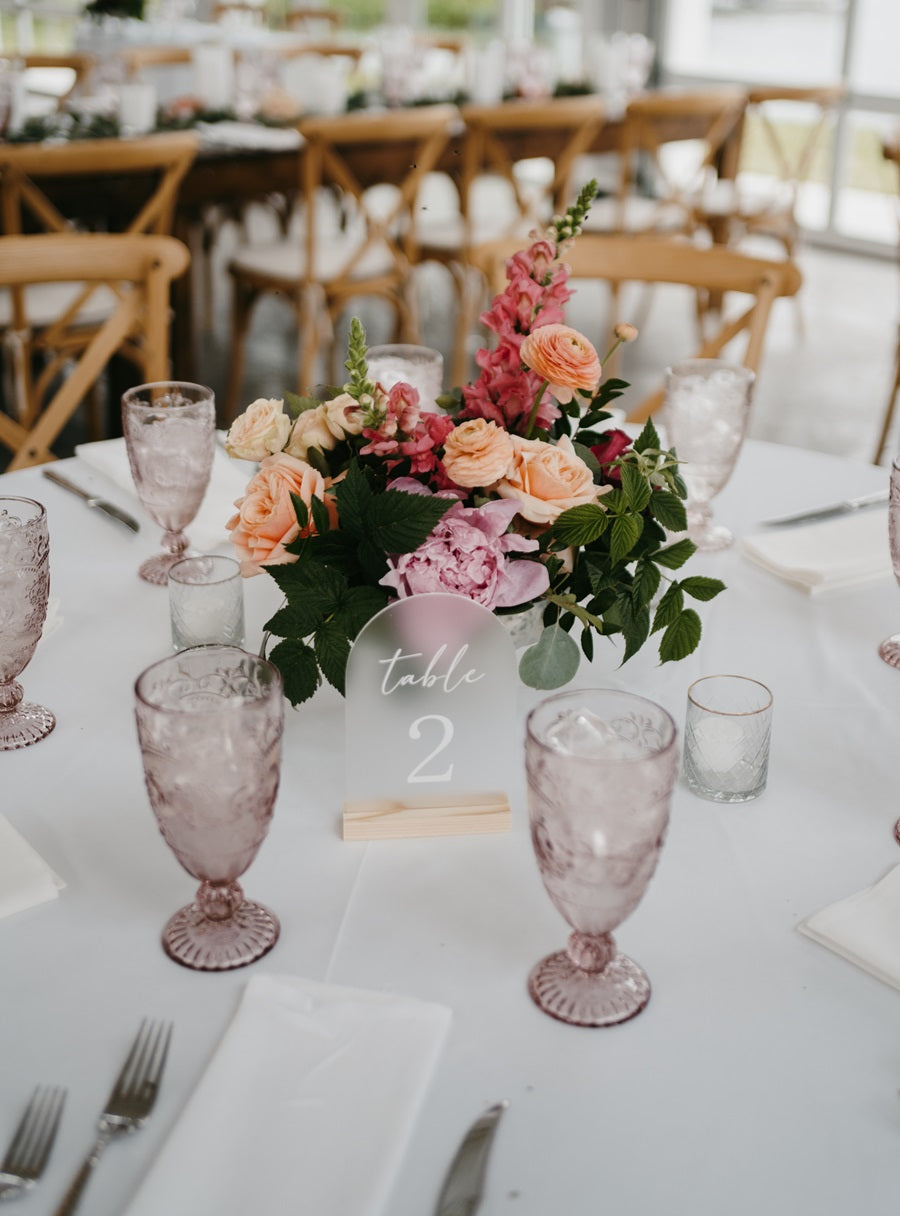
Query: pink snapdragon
x=406 y=431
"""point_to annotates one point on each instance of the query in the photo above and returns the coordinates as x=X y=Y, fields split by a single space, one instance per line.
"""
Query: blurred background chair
x=363 y=246
x=317 y=22
x=617 y=259
x=891 y=151
x=137 y=271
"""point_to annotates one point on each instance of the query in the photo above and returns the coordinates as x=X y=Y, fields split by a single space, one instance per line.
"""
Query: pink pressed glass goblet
x=601 y=765
x=209 y=723
x=169 y=430
x=889 y=649
x=24 y=589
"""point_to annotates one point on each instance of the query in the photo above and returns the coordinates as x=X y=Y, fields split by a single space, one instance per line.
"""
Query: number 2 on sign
x=415 y=732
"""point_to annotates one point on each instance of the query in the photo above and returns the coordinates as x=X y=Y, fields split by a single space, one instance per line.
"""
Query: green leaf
x=321 y=518
x=358 y=607
x=701 y=588
x=587 y=456
x=626 y=530
x=668 y=608
x=668 y=509
x=552 y=661
x=332 y=647
x=637 y=489
x=298 y=620
x=400 y=522
x=635 y=622
x=646 y=582
x=316 y=457
x=309 y=581
x=301 y=510
x=648 y=438
x=587 y=644
x=295 y=404
x=681 y=638
x=354 y=500
x=299 y=669
x=580 y=525
x=674 y=556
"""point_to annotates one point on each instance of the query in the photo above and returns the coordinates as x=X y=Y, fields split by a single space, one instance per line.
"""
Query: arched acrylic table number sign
x=431 y=721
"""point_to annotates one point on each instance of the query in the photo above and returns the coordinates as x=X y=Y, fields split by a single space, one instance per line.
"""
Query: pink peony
x=467 y=554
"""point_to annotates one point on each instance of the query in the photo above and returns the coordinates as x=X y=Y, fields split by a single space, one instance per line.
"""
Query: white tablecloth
x=762 y=1077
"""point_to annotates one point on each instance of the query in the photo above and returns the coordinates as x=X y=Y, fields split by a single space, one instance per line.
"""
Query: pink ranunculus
x=564 y=358
x=266 y=520
x=467 y=554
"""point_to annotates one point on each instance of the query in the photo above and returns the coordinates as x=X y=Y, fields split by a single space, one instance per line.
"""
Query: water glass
x=406 y=363
x=206 y=601
x=726 y=737
x=707 y=407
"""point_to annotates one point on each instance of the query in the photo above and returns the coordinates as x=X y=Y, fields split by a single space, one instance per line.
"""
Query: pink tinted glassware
x=707 y=406
x=209 y=723
x=890 y=647
x=169 y=430
x=24 y=589
x=601 y=765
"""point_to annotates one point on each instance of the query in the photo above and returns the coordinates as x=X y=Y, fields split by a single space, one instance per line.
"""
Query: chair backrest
x=356 y=151
x=135 y=58
x=655 y=156
x=496 y=140
x=618 y=259
x=141 y=268
x=313 y=19
x=242 y=10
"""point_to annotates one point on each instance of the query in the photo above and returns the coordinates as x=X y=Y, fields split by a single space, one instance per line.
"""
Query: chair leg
x=243 y=298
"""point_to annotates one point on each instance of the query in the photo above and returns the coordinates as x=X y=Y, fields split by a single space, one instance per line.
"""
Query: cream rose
x=564 y=358
x=547 y=479
x=266 y=520
x=343 y=416
x=261 y=430
x=311 y=430
x=477 y=453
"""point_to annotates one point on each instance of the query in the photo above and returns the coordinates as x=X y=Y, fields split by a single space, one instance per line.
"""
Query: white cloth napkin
x=306 y=1106
x=227 y=482
x=821 y=557
x=25 y=878
x=250 y=135
x=863 y=928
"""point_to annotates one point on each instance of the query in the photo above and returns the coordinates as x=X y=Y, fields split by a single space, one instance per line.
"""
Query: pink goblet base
x=590 y=983
x=21 y=722
x=220 y=930
x=156 y=569
x=889 y=650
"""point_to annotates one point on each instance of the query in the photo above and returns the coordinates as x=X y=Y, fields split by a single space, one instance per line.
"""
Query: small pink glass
x=169 y=429
x=24 y=590
x=601 y=765
x=889 y=649
x=209 y=723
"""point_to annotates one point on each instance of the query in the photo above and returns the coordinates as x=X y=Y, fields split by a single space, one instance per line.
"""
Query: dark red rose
x=612 y=444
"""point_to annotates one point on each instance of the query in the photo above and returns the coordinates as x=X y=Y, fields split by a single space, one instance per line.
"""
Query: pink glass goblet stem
x=601 y=765
x=169 y=430
x=209 y=723
x=889 y=650
x=24 y=590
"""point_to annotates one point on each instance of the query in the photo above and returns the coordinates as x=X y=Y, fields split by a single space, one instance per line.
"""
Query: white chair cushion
x=46 y=302
x=286 y=260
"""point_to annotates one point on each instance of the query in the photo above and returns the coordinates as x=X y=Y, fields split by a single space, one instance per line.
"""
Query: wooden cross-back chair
x=497 y=140
x=45 y=322
x=618 y=259
x=140 y=269
x=368 y=254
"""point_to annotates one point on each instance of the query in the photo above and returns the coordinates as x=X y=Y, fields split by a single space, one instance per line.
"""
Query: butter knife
x=464 y=1183
x=99 y=504
x=879 y=498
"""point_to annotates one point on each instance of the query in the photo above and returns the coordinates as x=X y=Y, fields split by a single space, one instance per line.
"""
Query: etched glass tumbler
x=169 y=430
x=601 y=765
x=24 y=589
x=209 y=723
x=404 y=362
x=707 y=406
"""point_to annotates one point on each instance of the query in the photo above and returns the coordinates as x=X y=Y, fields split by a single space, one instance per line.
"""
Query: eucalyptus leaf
x=552 y=661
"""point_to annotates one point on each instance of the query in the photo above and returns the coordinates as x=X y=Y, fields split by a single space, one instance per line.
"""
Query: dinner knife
x=464 y=1183
x=879 y=498
x=100 y=504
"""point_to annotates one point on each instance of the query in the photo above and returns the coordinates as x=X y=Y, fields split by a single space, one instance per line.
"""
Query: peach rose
x=547 y=479
x=343 y=416
x=266 y=520
x=311 y=430
x=564 y=358
x=260 y=431
x=477 y=453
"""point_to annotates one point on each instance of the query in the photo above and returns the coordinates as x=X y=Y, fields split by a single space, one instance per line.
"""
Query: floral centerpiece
x=514 y=496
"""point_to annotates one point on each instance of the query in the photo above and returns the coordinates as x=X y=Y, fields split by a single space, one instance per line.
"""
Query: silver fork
x=31 y=1143
x=129 y=1103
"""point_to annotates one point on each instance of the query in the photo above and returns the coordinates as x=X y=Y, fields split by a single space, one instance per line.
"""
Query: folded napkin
x=227 y=482
x=249 y=135
x=842 y=552
x=863 y=928
x=25 y=878
x=306 y=1106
